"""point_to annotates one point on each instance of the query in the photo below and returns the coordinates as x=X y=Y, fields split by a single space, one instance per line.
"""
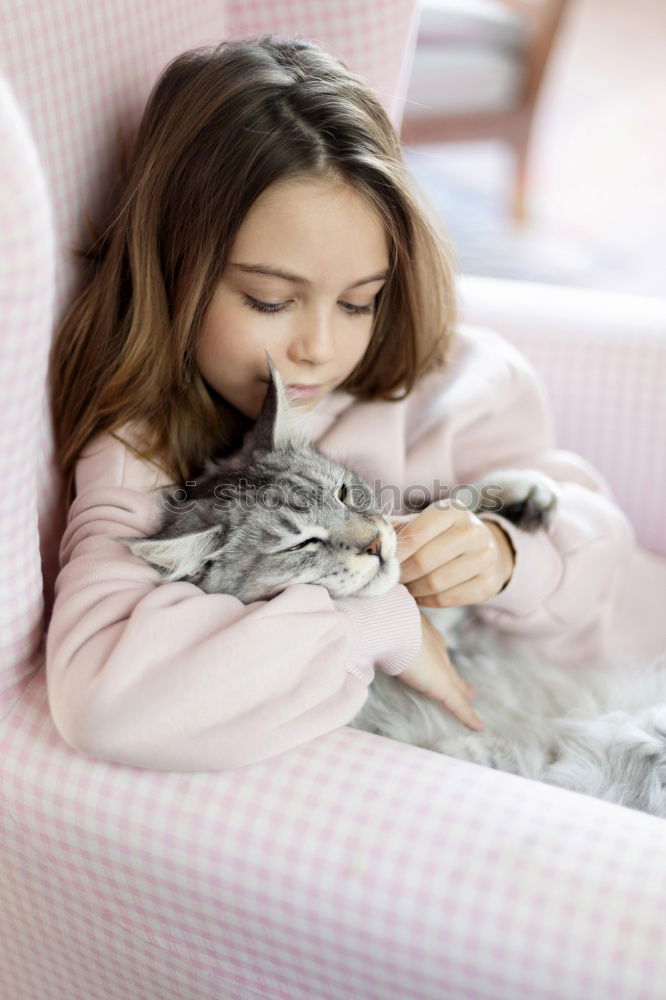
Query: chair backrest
x=27 y=262
x=80 y=72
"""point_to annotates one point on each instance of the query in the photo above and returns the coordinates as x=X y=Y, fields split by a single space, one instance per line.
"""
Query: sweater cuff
x=536 y=573
x=388 y=627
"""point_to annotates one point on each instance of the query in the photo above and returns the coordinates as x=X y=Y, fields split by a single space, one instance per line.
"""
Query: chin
x=386 y=577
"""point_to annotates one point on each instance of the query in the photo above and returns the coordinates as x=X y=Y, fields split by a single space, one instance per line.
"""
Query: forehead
x=318 y=228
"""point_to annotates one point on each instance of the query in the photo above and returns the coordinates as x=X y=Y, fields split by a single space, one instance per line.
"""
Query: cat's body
x=280 y=512
x=600 y=732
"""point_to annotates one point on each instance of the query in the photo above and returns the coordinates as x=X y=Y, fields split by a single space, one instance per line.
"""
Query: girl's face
x=303 y=273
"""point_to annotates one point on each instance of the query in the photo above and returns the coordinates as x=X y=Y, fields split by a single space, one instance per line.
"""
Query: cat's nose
x=375 y=546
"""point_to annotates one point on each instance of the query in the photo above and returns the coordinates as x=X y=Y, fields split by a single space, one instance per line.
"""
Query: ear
x=280 y=423
x=178 y=557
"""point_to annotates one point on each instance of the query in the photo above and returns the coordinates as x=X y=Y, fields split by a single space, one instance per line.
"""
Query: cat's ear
x=280 y=423
x=177 y=557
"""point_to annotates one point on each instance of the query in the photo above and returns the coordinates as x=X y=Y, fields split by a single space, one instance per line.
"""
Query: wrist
x=506 y=551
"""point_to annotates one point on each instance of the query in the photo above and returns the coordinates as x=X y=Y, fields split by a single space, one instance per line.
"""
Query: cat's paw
x=526 y=497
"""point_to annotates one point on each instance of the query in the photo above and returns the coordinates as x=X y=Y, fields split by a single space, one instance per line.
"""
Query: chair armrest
x=602 y=357
x=354 y=866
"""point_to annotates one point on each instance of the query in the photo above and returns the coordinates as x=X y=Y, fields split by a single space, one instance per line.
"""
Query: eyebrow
x=276 y=272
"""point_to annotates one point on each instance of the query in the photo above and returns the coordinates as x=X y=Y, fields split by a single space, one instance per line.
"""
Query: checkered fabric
x=353 y=866
x=603 y=359
x=26 y=312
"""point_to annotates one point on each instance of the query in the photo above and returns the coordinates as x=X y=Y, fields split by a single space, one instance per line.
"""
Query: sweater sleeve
x=565 y=577
x=165 y=676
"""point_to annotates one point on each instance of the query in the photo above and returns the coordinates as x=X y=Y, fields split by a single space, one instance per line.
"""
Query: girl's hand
x=433 y=674
x=449 y=556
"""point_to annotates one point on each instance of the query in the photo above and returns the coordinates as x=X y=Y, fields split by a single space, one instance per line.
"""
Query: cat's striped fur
x=280 y=512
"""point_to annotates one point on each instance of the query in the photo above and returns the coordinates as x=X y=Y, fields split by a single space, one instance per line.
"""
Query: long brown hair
x=221 y=124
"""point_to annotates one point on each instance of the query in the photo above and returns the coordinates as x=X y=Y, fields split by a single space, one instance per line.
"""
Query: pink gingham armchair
x=352 y=866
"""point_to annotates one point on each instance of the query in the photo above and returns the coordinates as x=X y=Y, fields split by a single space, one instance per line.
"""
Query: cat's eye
x=301 y=545
x=342 y=493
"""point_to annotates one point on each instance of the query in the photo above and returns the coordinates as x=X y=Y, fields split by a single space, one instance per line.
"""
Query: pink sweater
x=164 y=676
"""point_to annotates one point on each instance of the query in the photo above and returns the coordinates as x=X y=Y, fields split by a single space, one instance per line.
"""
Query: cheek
x=206 y=346
x=357 y=345
x=225 y=339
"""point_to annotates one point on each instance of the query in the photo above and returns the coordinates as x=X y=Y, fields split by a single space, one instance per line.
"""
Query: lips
x=299 y=393
x=296 y=385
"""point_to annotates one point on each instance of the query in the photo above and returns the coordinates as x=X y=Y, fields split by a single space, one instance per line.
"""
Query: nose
x=374 y=548
x=314 y=341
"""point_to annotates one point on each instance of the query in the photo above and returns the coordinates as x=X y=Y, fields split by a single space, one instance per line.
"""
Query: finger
x=474 y=591
x=459 y=696
x=440 y=551
x=427 y=602
x=452 y=600
x=426 y=525
x=449 y=597
x=466 y=689
x=459 y=707
x=462 y=569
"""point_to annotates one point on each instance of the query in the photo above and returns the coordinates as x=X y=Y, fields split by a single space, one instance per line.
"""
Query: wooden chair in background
x=477 y=73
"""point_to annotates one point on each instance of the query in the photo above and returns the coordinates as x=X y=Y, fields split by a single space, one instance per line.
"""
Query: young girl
x=266 y=207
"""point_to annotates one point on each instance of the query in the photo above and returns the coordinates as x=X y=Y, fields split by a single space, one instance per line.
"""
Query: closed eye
x=276 y=307
x=357 y=310
x=301 y=545
x=264 y=307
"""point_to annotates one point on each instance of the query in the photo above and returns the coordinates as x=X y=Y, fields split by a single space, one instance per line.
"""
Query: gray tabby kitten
x=279 y=512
